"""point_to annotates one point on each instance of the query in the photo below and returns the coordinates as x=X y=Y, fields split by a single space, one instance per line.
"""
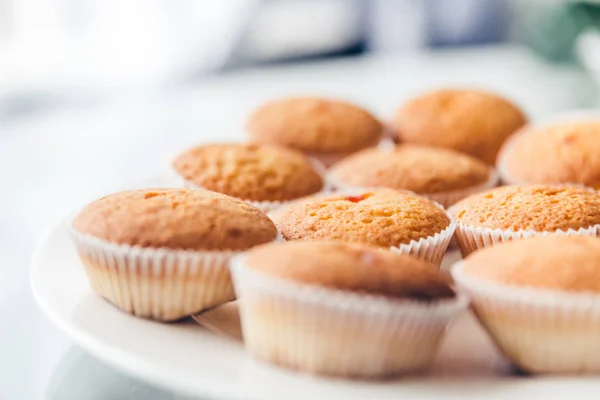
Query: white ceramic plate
x=194 y=360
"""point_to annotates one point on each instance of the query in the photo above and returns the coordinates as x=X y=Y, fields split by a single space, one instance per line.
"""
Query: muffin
x=342 y=309
x=163 y=253
x=444 y=176
x=265 y=176
x=326 y=129
x=539 y=299
x=469 y=121
x=560 y=152
x=513 y=212
x=396 y=220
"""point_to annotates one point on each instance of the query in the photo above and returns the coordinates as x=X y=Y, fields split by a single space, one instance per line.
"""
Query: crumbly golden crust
x=380 y=217
x=552 y=262
x=250 y=172
x=315 y=125
x=530 y=207
x=470 y=121
x=557 y=153
x=417 y=168
x=176 y=219
x=351 y=267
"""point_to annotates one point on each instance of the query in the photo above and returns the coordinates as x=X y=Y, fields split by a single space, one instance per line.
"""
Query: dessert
x=560 y=152
x=396 y=220
x=266 y=176
x=342 y=309
x=442 y=175
x=470 y=121
x=513 y=212
x=163 y=253
x=539 y=299
x=326 y=129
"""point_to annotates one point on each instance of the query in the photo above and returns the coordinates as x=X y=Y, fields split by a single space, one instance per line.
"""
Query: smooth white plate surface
x=194 y=360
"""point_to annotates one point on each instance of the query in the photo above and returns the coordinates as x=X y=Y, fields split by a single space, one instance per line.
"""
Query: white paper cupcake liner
x=331 y=332
x=539 y=330
x=446 y=199
x=431 y=248
x=471 y=238
x=265 y=206
x=161 y=284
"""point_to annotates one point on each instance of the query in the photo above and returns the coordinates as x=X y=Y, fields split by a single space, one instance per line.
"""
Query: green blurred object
x=555 y=35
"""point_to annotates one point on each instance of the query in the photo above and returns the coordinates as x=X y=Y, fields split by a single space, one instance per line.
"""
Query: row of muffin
x=332 y=300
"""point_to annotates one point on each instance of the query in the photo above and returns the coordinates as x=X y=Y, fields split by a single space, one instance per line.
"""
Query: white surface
x=191 y=359
x=53 y=162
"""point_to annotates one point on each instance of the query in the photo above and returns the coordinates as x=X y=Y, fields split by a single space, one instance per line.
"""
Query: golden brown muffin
x=351 y=267
x=315 y=125
x=469 y=121
x=250 y=172
x=380 y=217
x=416 y=168
x=563 y=152
x=175 y=219
x=538 y=300
x=570 y=263
x=538 y=208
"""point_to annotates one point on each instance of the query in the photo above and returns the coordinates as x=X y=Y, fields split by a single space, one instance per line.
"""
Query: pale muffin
x=562 y=152
x=343 y=309
x=539 y=299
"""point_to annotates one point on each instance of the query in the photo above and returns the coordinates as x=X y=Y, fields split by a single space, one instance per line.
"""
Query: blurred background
x=54 y=52
x=96 y=93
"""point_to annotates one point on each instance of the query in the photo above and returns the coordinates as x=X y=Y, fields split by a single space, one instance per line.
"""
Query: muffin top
x=470 y=121
x=530 y=207
x=175 y=219
x=551 y=262
x=249 y=171
x=351 y=267
x=314 y=125
x=557 y=153
x=381 y=217
x=417 y=168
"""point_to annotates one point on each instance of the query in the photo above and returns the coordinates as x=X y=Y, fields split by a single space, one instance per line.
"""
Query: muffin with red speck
x=390 y=219
x=442 y=175
x=539 y=300
x=326 y=129
x=564 y=152
x=344 y=309
x=163 y=253
x=518 y=211
x=265 y=176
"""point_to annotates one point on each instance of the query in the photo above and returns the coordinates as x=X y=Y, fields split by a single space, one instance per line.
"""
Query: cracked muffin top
x=530 y=207
x=470 y=121
x=351 y=267
x=380 y=217
x=420 y=169
x=250 y=172
x=312 y=124
x=176 y=219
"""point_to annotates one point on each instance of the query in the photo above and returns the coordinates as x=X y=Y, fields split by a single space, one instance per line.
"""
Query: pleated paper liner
x=540 y=330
